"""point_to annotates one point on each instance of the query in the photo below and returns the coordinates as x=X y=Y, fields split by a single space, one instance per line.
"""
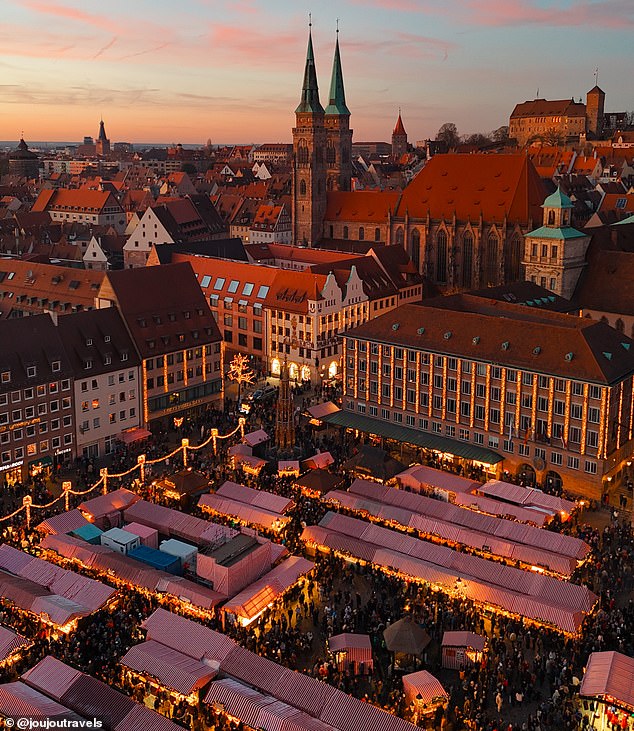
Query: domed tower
x=338 y=132
x=309 y=165
x=23 y=162
x=555 y=253
x=399 y=138
x=103 y=143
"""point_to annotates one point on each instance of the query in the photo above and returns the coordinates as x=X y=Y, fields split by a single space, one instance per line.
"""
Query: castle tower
x=555 y=253
x=102 y=146
x=309 y=166
x=595 y=107
x=284 y=417
x=399 y=138
x=338 y=132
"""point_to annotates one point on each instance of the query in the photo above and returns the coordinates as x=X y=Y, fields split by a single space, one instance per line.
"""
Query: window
x=385 y=414
x=219 y=284
x=31 y=371
x=576 y=411
x=592 y=439
x=478 y=438
x=524 y=450
x=262 y=291
x=556 y=458
x=441 y=256
x=590 y=467
x=233 y=286
x=593 y=415
x=573 y=463
x=205 y=281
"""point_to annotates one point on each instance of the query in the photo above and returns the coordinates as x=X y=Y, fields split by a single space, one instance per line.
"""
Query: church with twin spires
x=322 y=149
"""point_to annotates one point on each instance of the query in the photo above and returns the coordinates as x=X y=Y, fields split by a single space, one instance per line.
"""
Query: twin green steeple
x=310 y=90
x=337 y=102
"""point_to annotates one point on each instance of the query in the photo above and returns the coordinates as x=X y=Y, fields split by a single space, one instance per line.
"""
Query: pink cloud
x=71 y=13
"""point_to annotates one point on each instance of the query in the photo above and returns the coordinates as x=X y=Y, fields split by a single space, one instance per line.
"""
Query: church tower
x=102 y=146
x=309 y=166
x=338 y=132
x=399 y=138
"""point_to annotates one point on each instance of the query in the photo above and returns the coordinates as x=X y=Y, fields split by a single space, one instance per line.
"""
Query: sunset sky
x=189 y=70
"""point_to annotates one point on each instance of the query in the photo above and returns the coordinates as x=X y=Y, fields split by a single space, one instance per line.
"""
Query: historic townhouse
x=540 y=394
x=36 y=393
x=175 y=334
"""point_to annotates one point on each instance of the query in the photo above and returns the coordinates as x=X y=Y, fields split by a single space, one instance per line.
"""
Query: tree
x=448 y=133
x=188 y=168
x=240 y=372
x=500 y=135
x=478 y=139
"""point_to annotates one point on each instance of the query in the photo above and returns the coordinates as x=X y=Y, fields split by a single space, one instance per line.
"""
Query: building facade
x=37 y=429
x=106 y=388
x=176 y=336
x=541 y=395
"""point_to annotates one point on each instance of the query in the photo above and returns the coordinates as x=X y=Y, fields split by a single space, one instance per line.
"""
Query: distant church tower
x=102 y=146
x=309 y=165
x=338 y=132
x=595 y=103
x=399 y=138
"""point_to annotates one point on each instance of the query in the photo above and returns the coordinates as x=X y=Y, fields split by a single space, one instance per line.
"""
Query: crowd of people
x=527 y=681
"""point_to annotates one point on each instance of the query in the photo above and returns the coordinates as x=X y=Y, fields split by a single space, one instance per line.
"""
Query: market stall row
x=254 y=507
x=54 y=690
x=54 y=594
x=301 y=695
x=535 y=596
x=555 y=552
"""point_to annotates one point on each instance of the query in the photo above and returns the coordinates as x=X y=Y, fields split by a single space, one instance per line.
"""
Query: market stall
x=406 y=637
x=182 y=486
x=608 y=686
x=373 y=463
x=423 y=693
x=318 y=482
x=352 y=652
x=105 y=510
x=12 y=645
x=461 y=649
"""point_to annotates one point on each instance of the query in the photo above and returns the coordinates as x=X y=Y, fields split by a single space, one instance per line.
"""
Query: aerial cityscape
x=317 y=366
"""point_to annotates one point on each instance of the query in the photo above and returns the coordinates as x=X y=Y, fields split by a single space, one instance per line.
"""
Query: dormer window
x=106 y=338
x=31 y=371
x=5 y=377
x=88 y=342
x=107 y=359
x=56 y=366
x=142 y=322
x=87 y=364
x=187 y=314
x=171 y=317
x=124 y=355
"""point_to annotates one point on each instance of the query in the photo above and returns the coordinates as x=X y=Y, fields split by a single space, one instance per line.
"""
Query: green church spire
x=310 y=91
x=337 y=100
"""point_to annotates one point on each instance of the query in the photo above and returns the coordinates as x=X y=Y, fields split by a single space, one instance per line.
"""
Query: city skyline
x=232 y=72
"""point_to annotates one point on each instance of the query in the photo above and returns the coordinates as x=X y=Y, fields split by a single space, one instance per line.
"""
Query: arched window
x=414 y=248
x=467 y=259
x=361 y=233
x=331 y=154
x=302 y=187
x=345 y=232
x=377 y=234
x=513 y=259
x=330 y=183
x=400 y=237
x=491 y=260
x=302 y=152
x=441 y=256
x=551 y=218
x=620 y=325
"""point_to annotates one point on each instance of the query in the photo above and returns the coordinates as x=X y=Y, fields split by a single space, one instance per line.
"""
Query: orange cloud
x=71 y=13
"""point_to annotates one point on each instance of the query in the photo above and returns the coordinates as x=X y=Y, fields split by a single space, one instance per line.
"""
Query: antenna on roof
x=596 y=76
x=310 y=20
x=537 y=97
x=337 y=26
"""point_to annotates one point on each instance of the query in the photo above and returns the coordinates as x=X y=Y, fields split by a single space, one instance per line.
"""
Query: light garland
x=584 y=418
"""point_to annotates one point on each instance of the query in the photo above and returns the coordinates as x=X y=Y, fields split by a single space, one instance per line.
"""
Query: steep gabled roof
x=496 y=187
x=364 y=206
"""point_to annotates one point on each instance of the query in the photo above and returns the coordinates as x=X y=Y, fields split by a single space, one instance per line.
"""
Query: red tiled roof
x=496 y=187
x=549 y=108
x=81 y=199
x=364 y=206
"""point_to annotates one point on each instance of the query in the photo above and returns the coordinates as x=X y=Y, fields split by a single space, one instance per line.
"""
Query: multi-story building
x=272 y=224
x=175 y=334
x=549 y=120
x=96 y=207
x=106 y=388
x=36 y=414
x=278 y=153
x=542 y=395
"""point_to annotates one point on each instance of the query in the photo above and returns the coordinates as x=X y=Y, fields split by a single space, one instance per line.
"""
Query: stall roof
x=348 y=640
x=318 y=411
x=109 y=503
x=424 y=683
x=418 y=475
x=18 y=700
x=51 y=676
x=319 y=481
x=259 y=498
x=241 y=511
x=63 y=522
x=171 y=668
x=464 y=639
x=267 y=588
x=318 y=461
x=10 y=641
x=527 y=496
x=609 y=676
x=256 y=437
